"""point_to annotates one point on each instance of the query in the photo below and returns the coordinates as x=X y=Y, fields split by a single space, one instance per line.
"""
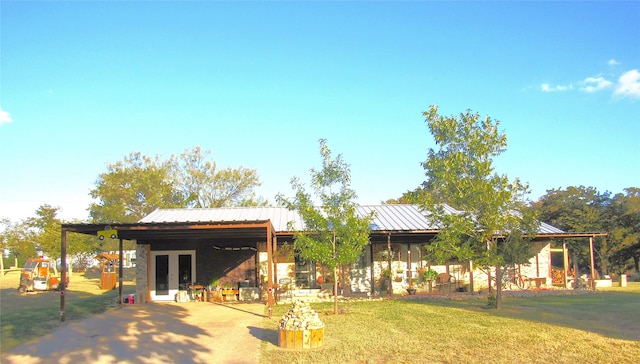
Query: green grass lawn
x=25 y=317
x=600 y=327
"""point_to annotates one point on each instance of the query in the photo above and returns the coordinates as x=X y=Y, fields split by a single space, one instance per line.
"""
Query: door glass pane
x=162 y=275
x=184 y=267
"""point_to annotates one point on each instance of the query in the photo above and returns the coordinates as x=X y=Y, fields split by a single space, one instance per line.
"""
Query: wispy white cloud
x=594 y=84
x=4 y=117
x=545 y=87
x=629 y=84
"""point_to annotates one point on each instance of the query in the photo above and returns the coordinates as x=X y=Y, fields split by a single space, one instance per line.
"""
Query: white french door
x=171 y=271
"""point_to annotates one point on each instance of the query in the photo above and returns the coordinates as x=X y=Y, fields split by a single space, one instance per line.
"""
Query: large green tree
x=334 y=234
x=45 y=232
x=133 y=188
x=627 y=229
x=415 y=196
x=136 y=186
x=625 y=232
x=47 y=229
x=493 y=226
x=16 y=238
x=199 y=179
x=579 y=209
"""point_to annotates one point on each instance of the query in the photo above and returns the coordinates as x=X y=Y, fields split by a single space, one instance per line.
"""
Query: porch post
x=389 y=263
x=274 y=251
x=593 y=269
x=120 y=276
x=269 y=271
x=409 y=274
x=565 y=263
x=63 y=273
x=372 y=266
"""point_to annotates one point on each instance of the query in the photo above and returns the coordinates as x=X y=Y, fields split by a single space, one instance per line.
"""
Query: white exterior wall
x=530 y=270
x=360 y=277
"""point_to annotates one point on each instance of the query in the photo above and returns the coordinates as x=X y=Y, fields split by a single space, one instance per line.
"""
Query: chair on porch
x=445 y=281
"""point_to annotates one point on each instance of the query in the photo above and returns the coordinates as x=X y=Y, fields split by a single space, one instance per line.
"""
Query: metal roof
x=396 y=217
x=392 y=217
x=386 y=217
x=279 y=216
x=545 y=228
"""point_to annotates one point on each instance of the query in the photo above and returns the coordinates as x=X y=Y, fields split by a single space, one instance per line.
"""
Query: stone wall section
x=142 y=274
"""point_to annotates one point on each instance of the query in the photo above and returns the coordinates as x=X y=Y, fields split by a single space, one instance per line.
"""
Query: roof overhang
x=245 y=230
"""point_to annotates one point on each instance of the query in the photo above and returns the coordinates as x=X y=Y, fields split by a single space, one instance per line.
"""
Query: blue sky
x=83 y=84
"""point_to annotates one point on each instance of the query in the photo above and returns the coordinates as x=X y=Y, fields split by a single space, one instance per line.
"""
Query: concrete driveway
x=192 y=332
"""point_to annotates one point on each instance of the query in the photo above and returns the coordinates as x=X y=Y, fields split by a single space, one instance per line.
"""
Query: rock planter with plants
x=300 y=328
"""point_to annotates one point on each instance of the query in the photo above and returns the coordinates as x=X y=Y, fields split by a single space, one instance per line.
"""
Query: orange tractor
x=39 y=274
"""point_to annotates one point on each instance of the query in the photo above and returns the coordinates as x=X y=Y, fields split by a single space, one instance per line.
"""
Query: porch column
x=372 y=286
x=565 y=263
x=63 y=273
x=274 y=251
x=409 y=274
x=269 y=271
x=593 y=269
x=120 y=274
x=389 y=263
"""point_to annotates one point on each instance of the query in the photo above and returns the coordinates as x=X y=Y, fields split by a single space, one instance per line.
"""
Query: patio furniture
x=445 y=281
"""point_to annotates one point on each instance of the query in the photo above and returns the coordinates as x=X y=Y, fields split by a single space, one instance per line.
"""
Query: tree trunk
x=604 y=257
x=499 y=274
x=471 y=286
x=335 y=290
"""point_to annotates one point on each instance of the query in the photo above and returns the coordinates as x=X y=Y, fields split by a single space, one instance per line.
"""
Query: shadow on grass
x=265 y=335
x=612 y=314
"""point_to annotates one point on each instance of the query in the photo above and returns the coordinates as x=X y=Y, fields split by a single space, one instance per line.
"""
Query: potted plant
x=429 y=276
x=382 y=284
x=214 y=285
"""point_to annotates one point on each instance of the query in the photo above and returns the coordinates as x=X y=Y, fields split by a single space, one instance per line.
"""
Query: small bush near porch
x=600 y=327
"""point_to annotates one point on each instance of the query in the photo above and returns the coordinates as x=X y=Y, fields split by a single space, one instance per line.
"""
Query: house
x=252 y=247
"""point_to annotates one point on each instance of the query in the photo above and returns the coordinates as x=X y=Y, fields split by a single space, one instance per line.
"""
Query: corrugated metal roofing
x=387 y=217
x=279 y=216
x=396 y=217
x=545 y=228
